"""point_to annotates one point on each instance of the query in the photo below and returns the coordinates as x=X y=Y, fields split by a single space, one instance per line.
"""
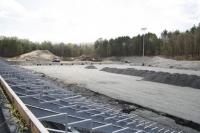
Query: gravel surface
x=90 y=67
x=161 y=77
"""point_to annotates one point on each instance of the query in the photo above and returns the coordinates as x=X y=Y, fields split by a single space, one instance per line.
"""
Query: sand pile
x=37 y=55
x=161 y=77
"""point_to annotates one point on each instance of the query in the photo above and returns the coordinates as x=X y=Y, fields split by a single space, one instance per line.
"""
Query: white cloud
x=87 y=20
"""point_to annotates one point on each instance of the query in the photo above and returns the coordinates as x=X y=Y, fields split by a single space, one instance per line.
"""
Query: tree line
x=171 y=44
x=126 y=46
x=12 y=46
x=182 y=43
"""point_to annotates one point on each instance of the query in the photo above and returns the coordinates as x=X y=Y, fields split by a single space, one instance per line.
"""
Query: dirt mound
x=90 y=67
x=161 y=77
x=37 y=55
x=156 y=61
x=170 y=63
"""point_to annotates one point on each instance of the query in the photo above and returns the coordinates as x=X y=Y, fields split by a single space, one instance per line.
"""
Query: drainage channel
x=61 y=111
x=7 y=122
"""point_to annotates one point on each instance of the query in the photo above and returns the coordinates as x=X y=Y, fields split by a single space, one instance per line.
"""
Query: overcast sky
x=87 y=20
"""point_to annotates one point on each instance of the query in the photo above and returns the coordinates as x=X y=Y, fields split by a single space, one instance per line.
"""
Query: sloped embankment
x=161 y=77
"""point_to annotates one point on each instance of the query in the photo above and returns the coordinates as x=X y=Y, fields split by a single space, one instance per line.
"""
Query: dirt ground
x=38 y=56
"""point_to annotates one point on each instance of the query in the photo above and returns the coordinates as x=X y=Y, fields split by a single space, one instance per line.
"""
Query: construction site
x=97 y=97
x=99 y=66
